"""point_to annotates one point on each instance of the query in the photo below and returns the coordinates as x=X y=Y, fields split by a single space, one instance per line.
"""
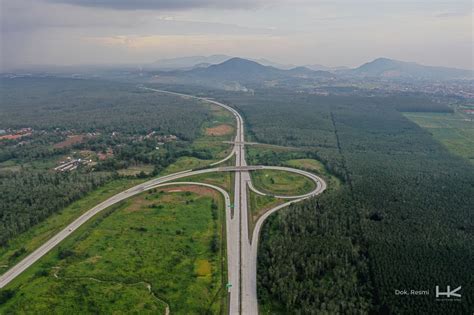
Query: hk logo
x=449 y=293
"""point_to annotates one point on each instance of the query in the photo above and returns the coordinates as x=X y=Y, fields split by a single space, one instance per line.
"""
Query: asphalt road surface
x=241 y=246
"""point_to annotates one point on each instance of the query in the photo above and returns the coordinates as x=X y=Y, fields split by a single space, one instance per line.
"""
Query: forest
x=115 y=117
x=324 y=270
x=402 y=219
x=95 y=106
x=28 y=198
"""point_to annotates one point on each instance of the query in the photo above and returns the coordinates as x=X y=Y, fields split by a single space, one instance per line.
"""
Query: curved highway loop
x=311 y=176
x=241 y=248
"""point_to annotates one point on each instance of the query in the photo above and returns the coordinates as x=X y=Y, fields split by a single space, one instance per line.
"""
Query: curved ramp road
x=311 y=176
x=241 y=246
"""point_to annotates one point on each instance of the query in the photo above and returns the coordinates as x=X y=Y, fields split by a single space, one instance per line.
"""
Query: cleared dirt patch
x=71 y=140
x=11 y=137
x=220 y=130
x=104 y=156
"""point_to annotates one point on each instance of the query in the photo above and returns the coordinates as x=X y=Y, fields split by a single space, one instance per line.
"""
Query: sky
x=298 y=32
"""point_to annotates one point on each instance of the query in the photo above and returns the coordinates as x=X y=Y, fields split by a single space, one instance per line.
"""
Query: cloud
x=158 y=41
x=453 y=14
x=167 y=4
x=290 y=31
x=31 y=15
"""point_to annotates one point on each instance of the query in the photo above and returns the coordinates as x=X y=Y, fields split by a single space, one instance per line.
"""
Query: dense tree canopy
x=411 y=199
x=29 y=197
x=117 y=116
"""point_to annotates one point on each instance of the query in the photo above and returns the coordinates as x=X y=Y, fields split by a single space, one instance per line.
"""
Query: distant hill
x=244 y=70
x=389 y=68
x=267 y=62
x=236 y=69
x=185 y=63
x=318 y=67
x=188 y=63
x=202 y=65
x=239 y=73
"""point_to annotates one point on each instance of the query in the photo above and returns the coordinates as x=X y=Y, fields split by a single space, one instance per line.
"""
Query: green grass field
x=136 y=169
x=256 y=154
x=455 y=131
x=40 y=164
x=220 y=179
x=184 y=163
x=25 y=243
x=307 y=164
x=153 y=250
x=318 y=168
x=9 y=166
x=219 y=116
x=281 y=182
x=258 y=205
x=213 y=144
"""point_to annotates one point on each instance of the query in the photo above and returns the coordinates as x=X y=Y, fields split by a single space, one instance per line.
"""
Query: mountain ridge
x=392 y=68
x=240 y=69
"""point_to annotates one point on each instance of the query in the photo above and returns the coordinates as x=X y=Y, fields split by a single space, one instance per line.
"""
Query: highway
x=241 y=245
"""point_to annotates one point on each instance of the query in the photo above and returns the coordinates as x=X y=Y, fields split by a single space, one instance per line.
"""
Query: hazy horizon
x=341 y=33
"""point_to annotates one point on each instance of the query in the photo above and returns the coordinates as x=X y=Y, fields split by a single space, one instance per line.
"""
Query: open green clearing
x=316 y=167
x=185 y=163
x=40 y=164
x=454 y=130
x=136 y=170
x=25 y=243
x=260 y=154
x=220 y=179
x=281 y=182
x=153 y=250
x=258 y=205
x=213 y=145
x=308 y=164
